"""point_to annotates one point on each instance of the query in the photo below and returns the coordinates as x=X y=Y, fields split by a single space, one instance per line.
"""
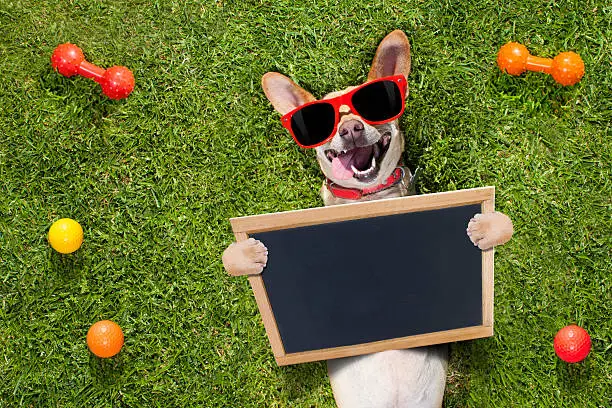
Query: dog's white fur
x=390 y=379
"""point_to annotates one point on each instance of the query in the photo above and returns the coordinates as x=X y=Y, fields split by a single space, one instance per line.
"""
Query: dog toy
x=572 y=344
x=105 y=338
x=566 y=68
x=65 y=236
x=117 y=82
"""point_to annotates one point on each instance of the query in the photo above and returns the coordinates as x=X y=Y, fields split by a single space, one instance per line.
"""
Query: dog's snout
x=351 y=130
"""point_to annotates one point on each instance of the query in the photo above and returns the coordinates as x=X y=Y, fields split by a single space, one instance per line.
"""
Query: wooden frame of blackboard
x=243 y=226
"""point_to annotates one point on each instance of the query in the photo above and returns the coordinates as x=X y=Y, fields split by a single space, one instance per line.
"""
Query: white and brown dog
x=361 y=159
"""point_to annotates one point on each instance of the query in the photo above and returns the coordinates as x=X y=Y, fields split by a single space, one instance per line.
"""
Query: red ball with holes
x=572 y=344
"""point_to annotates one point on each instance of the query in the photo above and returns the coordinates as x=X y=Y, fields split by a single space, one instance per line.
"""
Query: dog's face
x=358 y=155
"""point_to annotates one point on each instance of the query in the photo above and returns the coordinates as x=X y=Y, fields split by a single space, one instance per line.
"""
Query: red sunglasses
x=379 y=101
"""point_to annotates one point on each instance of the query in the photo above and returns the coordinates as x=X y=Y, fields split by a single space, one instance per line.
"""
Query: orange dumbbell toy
x=566 y=68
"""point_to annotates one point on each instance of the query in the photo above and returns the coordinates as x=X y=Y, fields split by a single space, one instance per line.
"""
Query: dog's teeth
x=365 y=172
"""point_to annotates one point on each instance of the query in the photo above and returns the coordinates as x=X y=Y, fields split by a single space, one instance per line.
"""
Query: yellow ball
x=66 y=235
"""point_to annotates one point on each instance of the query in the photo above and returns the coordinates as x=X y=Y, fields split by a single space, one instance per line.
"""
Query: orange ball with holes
x=105 y=338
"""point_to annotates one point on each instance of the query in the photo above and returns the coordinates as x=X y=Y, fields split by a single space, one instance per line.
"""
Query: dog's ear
x=392 y=56
x=284 y=94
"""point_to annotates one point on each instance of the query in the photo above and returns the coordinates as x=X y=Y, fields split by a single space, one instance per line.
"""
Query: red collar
x=356 y=194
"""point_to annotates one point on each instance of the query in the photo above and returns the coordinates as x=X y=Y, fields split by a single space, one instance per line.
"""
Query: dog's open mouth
x=361 y=162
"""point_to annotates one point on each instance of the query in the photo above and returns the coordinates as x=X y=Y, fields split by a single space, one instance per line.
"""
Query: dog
x=359 y=152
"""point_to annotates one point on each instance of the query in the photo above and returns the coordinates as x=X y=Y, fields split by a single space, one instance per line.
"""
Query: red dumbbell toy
x=566 y=68
x=117 y=82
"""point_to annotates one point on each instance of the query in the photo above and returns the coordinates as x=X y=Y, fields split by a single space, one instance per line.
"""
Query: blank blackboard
x=366 y=277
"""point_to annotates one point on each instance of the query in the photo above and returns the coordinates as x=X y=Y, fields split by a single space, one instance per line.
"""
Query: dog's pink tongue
x=341 y=167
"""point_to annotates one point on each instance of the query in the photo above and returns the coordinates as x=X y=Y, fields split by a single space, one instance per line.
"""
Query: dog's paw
x=489 y=230
x=247 y=257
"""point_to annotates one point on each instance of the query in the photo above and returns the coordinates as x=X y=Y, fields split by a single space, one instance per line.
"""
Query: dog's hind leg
x=410 y=378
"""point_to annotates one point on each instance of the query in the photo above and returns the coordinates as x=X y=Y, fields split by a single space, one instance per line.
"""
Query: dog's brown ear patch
x=284 y=94
x=392 y=56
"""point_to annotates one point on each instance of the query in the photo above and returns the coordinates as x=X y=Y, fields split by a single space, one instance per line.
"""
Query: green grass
x=153 y=180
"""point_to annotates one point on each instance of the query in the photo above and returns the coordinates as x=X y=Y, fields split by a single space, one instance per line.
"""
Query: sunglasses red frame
x=346 y=99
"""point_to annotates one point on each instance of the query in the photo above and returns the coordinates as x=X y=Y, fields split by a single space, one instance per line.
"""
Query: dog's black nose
x=351 y=130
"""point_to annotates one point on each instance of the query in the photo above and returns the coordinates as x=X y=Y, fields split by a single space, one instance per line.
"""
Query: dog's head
x=358 y=155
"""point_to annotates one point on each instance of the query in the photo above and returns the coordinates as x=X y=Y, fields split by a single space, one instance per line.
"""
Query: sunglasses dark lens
x=378 y=101
x=313 y=123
